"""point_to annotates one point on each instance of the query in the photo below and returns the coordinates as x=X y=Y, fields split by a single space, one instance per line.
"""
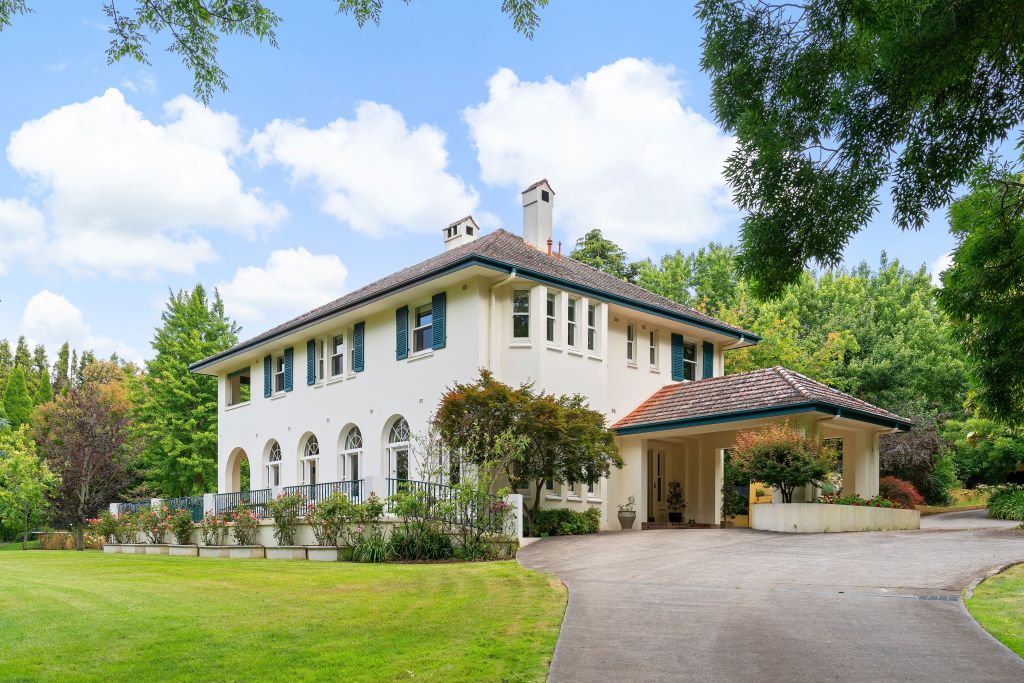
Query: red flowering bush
x=213 y=528
x=286 y=509
x=854 y=499
x=900 y=492
x=154 y=524
x=182 y=526
x=246 y=525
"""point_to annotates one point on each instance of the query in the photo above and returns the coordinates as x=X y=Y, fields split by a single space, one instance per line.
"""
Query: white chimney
x=460 y=232
x=538 y=203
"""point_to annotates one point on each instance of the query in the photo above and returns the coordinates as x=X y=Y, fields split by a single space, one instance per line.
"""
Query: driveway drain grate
x=950 y=598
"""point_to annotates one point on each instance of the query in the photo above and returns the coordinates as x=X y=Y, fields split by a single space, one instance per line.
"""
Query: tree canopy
x=832 y=100
x=25 y=480
x=782 y=457
x=17 y=401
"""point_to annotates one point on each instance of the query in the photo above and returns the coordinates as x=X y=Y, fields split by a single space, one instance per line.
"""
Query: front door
x=657 y=509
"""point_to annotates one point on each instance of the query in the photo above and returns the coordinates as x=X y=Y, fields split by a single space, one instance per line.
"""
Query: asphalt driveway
x=737 y=604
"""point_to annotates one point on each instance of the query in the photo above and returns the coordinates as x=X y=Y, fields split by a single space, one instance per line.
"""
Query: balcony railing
x=443 y=502
x=137 y=506
x=194 y=504
x=314 y=493
x=255 y=499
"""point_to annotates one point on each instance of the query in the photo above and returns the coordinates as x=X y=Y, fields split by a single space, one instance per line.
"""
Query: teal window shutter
x=268 y=376
x=402 y=333
x=358 y=332
x=289 y=354
x=709 y=359
x=311 y=362
x=437 y=311
x=677 y=358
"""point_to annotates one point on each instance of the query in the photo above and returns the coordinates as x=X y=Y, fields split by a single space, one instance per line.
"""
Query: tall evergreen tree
x=73 y=374
x=22 y=357
x=6 y=361
x=17 y=402
x=44 y=394
x=178 y=409
x=61 y=368
x=85 y=360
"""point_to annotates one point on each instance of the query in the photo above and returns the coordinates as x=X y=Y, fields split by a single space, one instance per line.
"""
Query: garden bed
x=809 y=518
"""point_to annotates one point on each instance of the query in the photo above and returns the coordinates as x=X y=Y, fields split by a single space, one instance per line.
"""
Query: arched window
x=351 y=453
x=398 y=449
x=274 y=464
x=309 y=459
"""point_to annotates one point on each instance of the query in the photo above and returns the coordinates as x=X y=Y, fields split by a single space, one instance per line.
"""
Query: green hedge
x=566 y=522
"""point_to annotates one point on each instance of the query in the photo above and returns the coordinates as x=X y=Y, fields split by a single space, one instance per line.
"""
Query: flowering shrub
x=154 y=524
x=900 y=492
x=782 y=457
x=126 y=528
x=181 y=526
x=213 y=529
x=246 y=525
x=285 y=509
x=854 y=499
x=105 y=526
x=330 y=519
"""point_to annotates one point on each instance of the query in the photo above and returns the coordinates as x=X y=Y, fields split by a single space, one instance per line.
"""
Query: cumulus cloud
x=51 y=319
x=126 y=195
x=293 y=281
x=622 y=151
x=939 y=266
x=373 y=172
x=22 y=227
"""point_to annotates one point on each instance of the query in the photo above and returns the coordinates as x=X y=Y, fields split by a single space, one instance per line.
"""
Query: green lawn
x=32 y=545
x=998 y=605
x=89 y=616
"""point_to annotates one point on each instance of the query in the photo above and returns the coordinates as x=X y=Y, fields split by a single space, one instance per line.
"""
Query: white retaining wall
x=809 y=518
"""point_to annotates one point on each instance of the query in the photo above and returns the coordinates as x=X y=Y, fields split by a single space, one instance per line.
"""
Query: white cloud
x=22 y=229
x=293 y=281
x=939 y=265
x=374 y=173
x=622 y=151
x=50 y=319
x=129 y=196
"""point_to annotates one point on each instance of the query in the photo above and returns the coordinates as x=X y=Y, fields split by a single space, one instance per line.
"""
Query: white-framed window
x=689 y=360
x=279 y=373
x=337 y=355
x=274 y=464
x=593 y=487
x=398 y=449
x=319 y=348
x=423 y=328
x=572 y=322
x=310 y=459
x=652 y=348
x=239 y=387
x=630 y=343
x=591 y=327
x=520 y=314
x=351 y=453
x=551 y=317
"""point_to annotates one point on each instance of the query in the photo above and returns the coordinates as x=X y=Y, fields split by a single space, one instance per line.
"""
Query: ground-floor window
x=398 y=449
x=274 y=465
x=310 y=458
x=352 y=449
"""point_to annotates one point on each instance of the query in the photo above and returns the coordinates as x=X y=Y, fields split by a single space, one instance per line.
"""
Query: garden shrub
x=285 y=509
x=213 y=529
x=246 y=525
x=419 y=534
x=330 y=518
x=855 y=499
x=105 y=526
x=154 y=524
x=566 y=522
x=1007 y=502
x=182 y=526
x=126 y=529
x=900 y=492
x=782 y=457
x=921 y=456
x=366 y=537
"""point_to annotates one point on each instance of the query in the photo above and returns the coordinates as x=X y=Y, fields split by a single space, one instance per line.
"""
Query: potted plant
x=627 y=513
x=676 y=502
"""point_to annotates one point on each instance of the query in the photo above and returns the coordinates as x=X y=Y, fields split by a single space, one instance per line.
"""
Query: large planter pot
x=286 y=552
x=627 y=518
x=183 y=550
x=320 y=553
x=157 y=549
x=675 y=517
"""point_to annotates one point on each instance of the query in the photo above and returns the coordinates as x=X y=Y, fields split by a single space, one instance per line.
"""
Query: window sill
x=334 y=380
x=420 y=355
x=278 y=397
x=656 y=371
x=520 y=343
x=552 y=347
x=573 y=499
x=631 y=364
x=236 y=406
x=552 y=496
x=594 y=356
x=575 y=352
x=595 y=501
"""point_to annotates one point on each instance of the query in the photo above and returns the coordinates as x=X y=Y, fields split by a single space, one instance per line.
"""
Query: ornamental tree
x=25 y=480
x=564 y=439
x=17 y=402
x=782 y=457
x=44 y=394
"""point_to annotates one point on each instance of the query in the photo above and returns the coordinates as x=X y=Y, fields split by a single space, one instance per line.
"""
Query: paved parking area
x=738 y=604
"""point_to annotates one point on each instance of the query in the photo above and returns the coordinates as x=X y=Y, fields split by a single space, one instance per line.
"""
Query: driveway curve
x=738 y=604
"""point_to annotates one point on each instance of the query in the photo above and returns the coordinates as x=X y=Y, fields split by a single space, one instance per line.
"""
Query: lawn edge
x=968 y=593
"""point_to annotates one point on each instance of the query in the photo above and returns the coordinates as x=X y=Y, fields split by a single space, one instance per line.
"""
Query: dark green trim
x=493 y=264
x=792 y=409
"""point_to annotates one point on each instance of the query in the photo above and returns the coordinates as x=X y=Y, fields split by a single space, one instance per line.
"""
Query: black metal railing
x=194 y=504
x=255 y=499
x=314 y=493
x=444 y=502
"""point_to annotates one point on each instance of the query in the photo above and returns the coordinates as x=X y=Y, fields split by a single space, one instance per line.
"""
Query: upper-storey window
x=689 y=360
x=423 y=328
x=239 y=388
x=652 y=349
x=552 y=317
x=279 y=373
x=591 y=327
x=337 y=355
x=631 y=343
x=521 y=314
x=572 y=319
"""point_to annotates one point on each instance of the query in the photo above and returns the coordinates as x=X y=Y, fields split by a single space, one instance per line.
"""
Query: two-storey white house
x=337 y=393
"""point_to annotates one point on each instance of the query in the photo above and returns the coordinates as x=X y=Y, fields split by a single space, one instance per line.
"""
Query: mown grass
x=998 y=605
x=31 y=545
x=95 y=617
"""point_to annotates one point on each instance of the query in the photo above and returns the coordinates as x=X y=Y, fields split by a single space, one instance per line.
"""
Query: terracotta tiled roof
x=746 y=392
x=503 y=249
x=542 y=181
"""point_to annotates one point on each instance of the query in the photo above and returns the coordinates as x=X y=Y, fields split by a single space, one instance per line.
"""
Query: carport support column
x=629 y=481
x=860 y=463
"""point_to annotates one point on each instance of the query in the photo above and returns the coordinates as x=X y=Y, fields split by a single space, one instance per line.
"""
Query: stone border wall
x=810 y=518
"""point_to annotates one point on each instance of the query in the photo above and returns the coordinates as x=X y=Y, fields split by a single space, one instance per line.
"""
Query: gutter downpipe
x=490 y=322
x=736 y=344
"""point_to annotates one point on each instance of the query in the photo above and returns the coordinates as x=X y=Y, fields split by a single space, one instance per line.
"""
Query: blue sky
x=338 y=157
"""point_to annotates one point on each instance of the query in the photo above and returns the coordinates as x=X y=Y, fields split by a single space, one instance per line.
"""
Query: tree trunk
x=79 y=537
x=787 y=493
x=24 y=535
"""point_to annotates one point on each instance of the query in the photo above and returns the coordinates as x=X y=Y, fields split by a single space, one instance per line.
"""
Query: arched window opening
x=273 y=466
x=309 y=460
x=398 y=449
x=350 y=455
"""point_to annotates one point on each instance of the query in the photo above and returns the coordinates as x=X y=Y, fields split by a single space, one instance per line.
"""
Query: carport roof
x=769 y=392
